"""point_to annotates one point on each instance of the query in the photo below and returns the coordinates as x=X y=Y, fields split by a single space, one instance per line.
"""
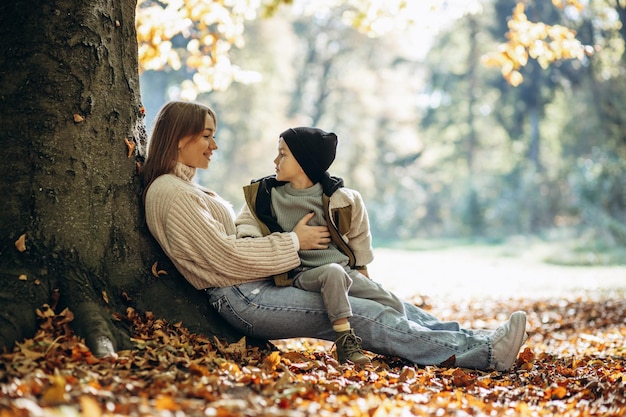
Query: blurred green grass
x=553 y=251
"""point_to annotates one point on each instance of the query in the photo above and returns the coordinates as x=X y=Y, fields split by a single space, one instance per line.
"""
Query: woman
x=195 y=228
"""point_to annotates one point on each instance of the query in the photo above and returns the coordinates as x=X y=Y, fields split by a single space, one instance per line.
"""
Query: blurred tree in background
x=481 y=119
x=551 y=155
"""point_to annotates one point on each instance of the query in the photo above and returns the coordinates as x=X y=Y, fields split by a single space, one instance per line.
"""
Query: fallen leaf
x=131 y=146
x=461 y=378
x=408 y=374
x=171 y=370
x=165 y=402
x=55 y=393
x=238 y=348
x=448 y=362
x=156 y=272
x=526 y=356
x=89 y=407
x=271 y=361
x=20 y=243
x=556 y=393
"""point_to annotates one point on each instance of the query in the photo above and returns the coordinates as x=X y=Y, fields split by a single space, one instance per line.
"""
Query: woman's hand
x=311 y=237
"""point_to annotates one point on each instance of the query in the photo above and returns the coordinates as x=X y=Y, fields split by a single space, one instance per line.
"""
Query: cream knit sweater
x=196 y=229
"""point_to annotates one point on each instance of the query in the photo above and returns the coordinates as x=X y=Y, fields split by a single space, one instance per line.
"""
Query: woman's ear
x=184 y=141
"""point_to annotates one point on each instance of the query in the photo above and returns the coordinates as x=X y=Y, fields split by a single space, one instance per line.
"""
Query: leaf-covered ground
x=573 y=364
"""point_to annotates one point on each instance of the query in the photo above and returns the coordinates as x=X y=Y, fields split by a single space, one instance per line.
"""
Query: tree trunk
x=72 y=139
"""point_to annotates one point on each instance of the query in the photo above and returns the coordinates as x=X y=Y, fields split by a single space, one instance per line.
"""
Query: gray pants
x=335 y=283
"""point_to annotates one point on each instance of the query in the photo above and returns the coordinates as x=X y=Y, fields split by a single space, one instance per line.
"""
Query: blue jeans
x=265 y=311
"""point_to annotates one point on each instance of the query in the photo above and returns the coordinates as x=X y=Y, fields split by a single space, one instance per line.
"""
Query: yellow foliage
x=209 y=29
x=573 y=3
x=544 y=43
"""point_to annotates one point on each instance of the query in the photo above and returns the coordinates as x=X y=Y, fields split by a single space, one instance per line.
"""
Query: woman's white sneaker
x=507 y=341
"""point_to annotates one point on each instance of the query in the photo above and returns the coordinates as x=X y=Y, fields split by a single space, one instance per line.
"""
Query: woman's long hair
x=175 y=121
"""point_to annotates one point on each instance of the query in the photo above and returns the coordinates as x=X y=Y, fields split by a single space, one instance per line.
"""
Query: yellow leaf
x=271 y=361
x=89 y=407
x=515 y=78
x=20 y=243
x=55 y=393
x=78 y=118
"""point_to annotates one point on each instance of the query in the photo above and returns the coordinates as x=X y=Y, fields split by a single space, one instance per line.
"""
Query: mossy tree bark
x=72 y=139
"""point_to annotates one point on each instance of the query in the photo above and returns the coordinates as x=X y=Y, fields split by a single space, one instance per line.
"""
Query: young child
x=302 y=185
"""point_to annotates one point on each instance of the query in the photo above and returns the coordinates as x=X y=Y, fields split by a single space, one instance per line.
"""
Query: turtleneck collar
x=184 y=172
x=315 y=189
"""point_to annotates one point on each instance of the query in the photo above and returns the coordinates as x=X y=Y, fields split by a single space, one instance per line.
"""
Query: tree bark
x=72 y=139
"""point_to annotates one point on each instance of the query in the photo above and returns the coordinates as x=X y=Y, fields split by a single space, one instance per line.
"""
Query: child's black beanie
x=313 y=148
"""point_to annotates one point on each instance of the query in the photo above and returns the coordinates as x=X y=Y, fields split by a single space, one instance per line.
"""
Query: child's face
x=287 y=167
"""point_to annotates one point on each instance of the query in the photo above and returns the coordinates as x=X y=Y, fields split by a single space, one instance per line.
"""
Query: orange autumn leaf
x=131 y=147
x=576 y=358
x=271 y=361
x=408 y=374
x=166 y=402
x=200 y=370
x=556 y=393
x=294 y=356
x=526 y=356
x=461 y=378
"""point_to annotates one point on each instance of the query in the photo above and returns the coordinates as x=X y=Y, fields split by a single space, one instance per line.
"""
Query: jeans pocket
x=223 y=306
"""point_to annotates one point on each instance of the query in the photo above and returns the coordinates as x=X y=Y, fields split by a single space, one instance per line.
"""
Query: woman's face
x=196 y=150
